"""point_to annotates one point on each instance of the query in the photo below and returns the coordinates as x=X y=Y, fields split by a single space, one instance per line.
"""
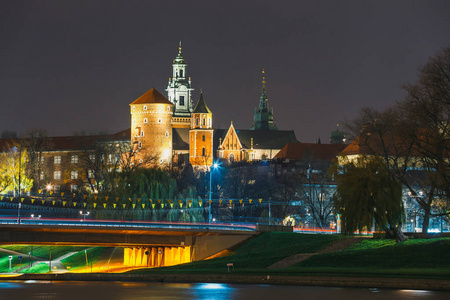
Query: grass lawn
x=258 y=253
x=44 y=251
x=386 y=254
x=78 y=260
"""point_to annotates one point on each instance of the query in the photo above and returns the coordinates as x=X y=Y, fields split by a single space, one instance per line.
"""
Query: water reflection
x=143 y=290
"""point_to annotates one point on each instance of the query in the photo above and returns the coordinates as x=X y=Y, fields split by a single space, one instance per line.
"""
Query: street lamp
x=214 y=166
x=84 y=214
x=415 y=217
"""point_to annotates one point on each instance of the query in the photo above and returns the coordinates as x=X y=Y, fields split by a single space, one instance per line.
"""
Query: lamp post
x=214 y=166
x=84 y=214
x=414 y=220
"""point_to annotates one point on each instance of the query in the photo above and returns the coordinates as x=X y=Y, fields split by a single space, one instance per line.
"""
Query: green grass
x=44 y=251
x=78 y=260
x=258 y=253
x=385 y=254
x=38 y=268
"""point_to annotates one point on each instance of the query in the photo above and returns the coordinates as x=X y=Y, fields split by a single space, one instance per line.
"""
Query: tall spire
x=263 y=118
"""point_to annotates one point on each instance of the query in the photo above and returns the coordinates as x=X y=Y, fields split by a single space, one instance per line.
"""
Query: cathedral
x=166 y=130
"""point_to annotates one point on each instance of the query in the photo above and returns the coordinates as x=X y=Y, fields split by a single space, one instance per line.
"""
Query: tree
x=367 y=193
x=13 y=162
x=36 y=142
x=428 y=104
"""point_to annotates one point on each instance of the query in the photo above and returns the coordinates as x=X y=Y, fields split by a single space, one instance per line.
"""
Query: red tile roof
x=151 y=96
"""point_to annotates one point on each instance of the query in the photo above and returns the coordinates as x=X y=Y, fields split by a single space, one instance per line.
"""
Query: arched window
x=181 y=73
x=231 y=158
x=196 y=121
x=203 y=138
x=204 y=122
x=204 y=151
x=145 y=120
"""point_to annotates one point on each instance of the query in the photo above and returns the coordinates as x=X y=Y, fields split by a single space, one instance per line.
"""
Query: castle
x=171 y=130
x=165 y=131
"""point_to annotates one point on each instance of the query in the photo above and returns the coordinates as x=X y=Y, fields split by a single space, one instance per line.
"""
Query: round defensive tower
x=151 y=129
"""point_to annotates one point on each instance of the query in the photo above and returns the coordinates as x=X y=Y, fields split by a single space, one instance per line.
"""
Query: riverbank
x=328 y=281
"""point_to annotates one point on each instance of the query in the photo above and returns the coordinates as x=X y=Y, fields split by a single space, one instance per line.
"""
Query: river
x=47 y=290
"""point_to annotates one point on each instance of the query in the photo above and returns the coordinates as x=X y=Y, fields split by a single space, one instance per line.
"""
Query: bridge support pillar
x=156 y=256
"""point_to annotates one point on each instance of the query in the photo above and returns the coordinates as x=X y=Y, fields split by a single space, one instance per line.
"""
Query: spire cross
x=179 y=48
x=264 y=77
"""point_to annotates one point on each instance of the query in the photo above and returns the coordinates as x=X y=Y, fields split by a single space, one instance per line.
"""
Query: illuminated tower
x=201 y=135
x=263 y=118
x=151 y=129
x=179 y=92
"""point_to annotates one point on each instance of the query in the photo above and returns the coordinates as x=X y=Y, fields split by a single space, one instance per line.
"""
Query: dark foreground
x=69 y=290
x=329 y=281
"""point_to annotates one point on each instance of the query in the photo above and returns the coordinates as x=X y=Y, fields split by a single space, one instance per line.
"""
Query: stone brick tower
x=151 y=129
x=201 y=135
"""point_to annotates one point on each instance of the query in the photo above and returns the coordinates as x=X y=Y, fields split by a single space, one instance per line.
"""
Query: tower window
x=159 y=120
x=168 y=108
x=204 y=122
x=134 y=108
x=145 y=107
x=196 y=121
x=142 y=133
x=204 y=151
x=140 y=145
x=181 y=73
x=182 y=100
x=203 y=138
x=145 y=120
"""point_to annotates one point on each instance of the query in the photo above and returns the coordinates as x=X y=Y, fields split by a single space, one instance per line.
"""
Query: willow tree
x=368 y=194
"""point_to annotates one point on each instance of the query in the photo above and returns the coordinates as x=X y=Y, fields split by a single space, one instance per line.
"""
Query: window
x=90 y=174
x=92 y=157
x=57 y=160
x=141 y=161
x=203 y=151
x=57 y=188
x=204 y=121
x=134 y=108
x=57 y=175
x=74 y=174
x=167 y=134
x=145 y=120
x=203 y=138
x=159 y=120
x=145 y=107
x=134 y=121
x=41 y=175
x=181 y=73
x=168 y=108
x=42 y=159
x=182 y=99
x=196 y=121
x=74 y=159
x=140 y=145
x=73 y=188
x=142 y=133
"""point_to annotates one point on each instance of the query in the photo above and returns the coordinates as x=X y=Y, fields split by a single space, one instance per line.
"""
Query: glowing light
x=289 y=221
x=213 y=286
x=49 y=187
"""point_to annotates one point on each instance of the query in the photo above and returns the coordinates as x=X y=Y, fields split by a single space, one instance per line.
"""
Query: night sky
x=72 y=66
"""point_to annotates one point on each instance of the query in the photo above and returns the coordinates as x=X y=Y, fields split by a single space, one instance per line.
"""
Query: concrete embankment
x=365 y=282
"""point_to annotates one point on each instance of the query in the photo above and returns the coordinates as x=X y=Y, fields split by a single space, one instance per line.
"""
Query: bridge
x=145 y=243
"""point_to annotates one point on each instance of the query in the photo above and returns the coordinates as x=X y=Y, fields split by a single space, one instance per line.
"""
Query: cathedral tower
x=151 y=129
x=201 y=135
x=179 y=92
x=263 y=118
